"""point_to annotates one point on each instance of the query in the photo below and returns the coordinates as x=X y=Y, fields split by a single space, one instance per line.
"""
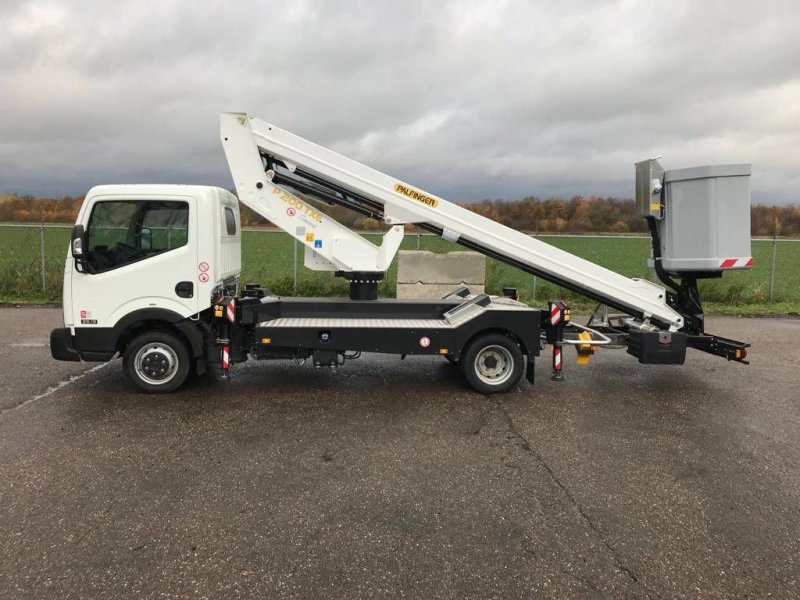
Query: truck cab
x=146 y=258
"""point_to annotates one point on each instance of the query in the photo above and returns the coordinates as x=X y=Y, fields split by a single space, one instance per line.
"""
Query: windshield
x=126 y=231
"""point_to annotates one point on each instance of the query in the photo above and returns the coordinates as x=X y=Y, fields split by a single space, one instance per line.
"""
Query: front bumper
x=61 y=347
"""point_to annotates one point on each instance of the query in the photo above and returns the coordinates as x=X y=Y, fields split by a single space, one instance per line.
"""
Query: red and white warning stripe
x=555 y=315
x=556 y=358
x=230 y=312
x=226 y=357
x=736 y=263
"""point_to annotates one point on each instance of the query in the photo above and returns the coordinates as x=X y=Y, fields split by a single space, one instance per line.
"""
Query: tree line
x=580 y=214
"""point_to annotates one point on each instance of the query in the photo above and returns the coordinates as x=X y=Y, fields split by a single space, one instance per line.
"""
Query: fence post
x=533 y=286
x=41 y=257
x=294 y=266
x=418 y=238
x=772 y=269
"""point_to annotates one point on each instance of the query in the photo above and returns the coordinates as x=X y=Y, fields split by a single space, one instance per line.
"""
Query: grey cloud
x=468 y=99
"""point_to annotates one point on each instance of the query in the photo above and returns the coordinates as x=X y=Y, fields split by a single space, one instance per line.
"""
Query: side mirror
x=77 y=243
x=78 y=248
x=146 y=239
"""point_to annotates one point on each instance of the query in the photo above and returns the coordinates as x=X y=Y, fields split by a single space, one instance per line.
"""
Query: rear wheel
x=157 y=362
x=493 y=363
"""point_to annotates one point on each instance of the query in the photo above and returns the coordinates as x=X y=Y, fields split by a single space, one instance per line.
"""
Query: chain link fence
x=32 y=264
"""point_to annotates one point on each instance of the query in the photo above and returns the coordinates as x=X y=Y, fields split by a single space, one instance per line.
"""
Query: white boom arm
x=331 y=246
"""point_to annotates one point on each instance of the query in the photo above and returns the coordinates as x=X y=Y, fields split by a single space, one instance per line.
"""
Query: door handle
x=184 y=289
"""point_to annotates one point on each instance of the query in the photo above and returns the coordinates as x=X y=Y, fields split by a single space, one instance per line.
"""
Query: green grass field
x=267 y=258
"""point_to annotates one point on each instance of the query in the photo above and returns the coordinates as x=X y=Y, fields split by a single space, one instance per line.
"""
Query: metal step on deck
x=322 y=323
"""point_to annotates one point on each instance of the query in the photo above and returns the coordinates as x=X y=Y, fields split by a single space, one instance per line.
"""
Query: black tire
x=492 y=363
x=157 y=362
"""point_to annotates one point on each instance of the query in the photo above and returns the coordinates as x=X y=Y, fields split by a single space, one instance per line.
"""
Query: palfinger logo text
x=415 y=195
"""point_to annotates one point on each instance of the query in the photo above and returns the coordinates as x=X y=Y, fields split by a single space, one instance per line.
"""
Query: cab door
x=141 y=252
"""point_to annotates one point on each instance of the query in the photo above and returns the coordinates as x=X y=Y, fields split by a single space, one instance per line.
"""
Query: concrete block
x=423 y=274
x=432 y=290
x=428 y=267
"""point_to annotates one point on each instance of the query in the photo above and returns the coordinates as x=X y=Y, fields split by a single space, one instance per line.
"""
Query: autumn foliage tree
x=27 y=209
x=580 y=214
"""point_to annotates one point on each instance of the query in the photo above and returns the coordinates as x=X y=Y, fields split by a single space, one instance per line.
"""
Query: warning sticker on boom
x=415 y=195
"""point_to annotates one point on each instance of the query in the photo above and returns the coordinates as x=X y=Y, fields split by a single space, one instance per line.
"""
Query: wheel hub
x=494 y=365
x=156 y=363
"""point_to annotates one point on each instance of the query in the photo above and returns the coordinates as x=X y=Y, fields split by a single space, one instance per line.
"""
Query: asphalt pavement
x=391 y=478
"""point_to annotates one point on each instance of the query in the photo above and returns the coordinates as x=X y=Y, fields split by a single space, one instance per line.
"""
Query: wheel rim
x=156 y=363
x=494 y=365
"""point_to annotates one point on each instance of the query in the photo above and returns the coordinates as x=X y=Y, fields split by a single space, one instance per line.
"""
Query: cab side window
x=122 y=232
x=230 y=221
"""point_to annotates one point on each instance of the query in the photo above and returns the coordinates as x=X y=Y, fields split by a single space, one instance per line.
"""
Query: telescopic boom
x=265 y=159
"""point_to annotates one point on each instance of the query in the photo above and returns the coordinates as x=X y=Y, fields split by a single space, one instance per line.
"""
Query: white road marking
x=53 y=389
x=30 y=345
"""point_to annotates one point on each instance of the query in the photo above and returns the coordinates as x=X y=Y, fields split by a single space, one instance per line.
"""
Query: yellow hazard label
x=655 y=206
x=415 y=195
x=309 y=237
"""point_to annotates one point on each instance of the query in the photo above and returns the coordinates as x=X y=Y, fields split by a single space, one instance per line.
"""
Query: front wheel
x=493 y=363
x=157 y=362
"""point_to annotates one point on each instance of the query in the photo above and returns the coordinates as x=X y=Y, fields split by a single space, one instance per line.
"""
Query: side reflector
x=266 y=340
x=443 y=351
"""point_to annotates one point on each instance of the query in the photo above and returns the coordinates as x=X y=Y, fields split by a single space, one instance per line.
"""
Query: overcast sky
x=465 y=99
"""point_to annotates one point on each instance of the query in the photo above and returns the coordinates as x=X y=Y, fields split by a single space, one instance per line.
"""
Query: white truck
x=153 y=272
